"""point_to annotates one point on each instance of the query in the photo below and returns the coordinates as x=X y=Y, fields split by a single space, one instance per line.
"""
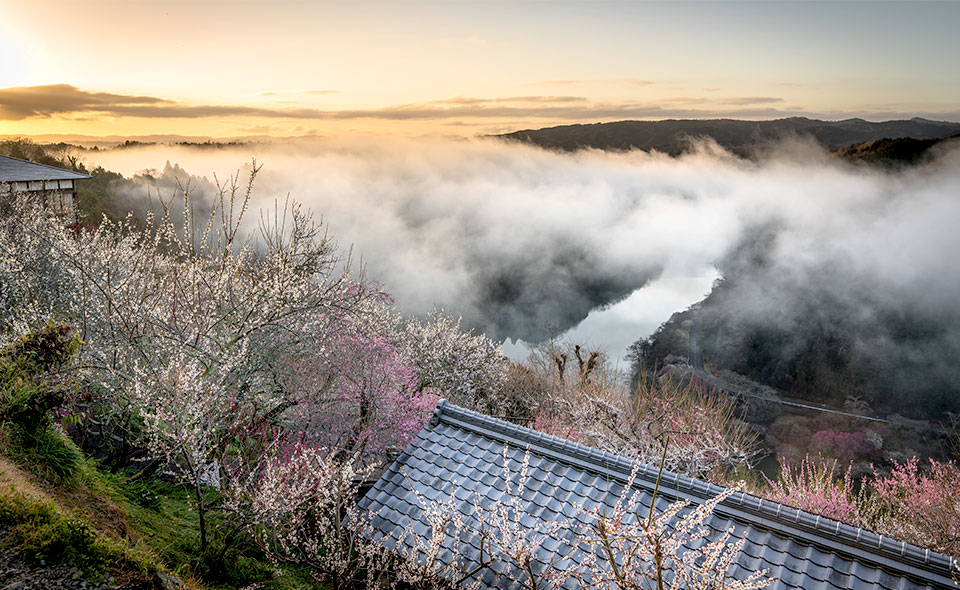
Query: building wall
x=58 y=196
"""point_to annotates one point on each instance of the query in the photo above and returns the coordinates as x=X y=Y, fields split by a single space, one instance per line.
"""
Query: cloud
x=567 y=82
x=747 y=100
x=463 y=100
x=521 y=240
x=66 y=100
x=23 y=102
x=554 y=112
x=63 y=100
x=313 y=92
x=259 y=129
x=729 y=100
x=856 y=295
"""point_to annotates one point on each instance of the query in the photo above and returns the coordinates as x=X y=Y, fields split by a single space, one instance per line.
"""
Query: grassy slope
x=57 y=506
x=139 y=529
x=55 y=523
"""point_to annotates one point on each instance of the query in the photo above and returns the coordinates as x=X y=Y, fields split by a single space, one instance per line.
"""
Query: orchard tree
x=348 y=382
x=469 y=367
x=187 y=325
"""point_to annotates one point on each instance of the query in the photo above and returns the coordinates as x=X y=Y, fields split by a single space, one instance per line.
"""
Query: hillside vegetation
x=223 y=400
x=740 y=137
x=824 y=334
x=895 y=152
x=183 y=406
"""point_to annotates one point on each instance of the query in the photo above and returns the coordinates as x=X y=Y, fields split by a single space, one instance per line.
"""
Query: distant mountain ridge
x=896 y=152
x=673 y=135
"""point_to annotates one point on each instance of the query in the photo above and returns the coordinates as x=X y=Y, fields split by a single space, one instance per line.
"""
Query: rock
x=167 y=582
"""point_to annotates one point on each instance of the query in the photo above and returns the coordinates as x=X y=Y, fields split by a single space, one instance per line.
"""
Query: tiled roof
x=17 y=170
x=461 y=451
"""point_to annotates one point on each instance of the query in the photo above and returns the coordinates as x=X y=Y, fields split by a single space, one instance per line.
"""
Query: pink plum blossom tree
x=818 y=486
x=921 y=506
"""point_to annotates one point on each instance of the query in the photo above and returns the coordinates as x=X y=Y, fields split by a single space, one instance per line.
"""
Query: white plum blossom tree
x=469 y=367
x=209 y=337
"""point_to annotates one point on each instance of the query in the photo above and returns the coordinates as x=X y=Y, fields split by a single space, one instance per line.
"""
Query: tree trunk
x=201 y=513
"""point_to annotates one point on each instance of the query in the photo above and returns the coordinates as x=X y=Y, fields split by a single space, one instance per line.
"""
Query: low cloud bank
x=524 y=242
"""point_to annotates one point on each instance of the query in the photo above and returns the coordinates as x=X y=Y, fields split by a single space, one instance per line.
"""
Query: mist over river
x=603 y=246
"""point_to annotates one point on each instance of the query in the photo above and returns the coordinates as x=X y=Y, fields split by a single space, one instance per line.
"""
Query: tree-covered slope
x=824 y=334
x=673 y=136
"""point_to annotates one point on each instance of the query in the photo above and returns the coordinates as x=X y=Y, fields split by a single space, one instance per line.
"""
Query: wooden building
x=54 y=186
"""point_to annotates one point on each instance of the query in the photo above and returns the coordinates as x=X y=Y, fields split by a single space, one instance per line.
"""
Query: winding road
x=695 y=359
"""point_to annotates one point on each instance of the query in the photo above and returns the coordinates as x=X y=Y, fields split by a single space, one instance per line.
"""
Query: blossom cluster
x=818 y=486
x=470 y=368
x=921 y=506
x=305 y=512
x=913 y=503
x=207 y=345
x=706 y=437
x=632 y=547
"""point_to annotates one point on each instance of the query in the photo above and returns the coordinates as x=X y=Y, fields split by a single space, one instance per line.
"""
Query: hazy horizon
x=603 y=247
x=87 y=141
x=228 y=69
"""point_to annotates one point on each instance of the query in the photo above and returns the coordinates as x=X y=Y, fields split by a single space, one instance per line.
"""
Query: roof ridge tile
x=813 y=526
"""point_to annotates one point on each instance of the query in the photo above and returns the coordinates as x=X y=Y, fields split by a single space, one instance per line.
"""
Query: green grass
x=46 y=452
x=42 y=532
x=106 y=523
x=164 y=517
x=167 y=522
x=162 y=532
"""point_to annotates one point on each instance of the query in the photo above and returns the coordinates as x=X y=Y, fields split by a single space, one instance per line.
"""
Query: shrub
x=523 y=393
x=42 y=350
x=844 y=446
x=469 y=367
x=705 y=433
x=556 y=426
x=300 y=504
x=816 y=486
x=28 y=394
x=921 y=507
x=28 y=390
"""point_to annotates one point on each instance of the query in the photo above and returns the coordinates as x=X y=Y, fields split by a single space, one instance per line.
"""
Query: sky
x=221 y=68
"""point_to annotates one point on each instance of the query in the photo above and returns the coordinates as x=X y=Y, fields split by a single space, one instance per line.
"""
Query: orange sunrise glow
x=227 y=69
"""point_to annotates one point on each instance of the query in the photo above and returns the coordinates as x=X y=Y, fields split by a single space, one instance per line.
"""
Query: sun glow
x=293 y=68
x=14 y=59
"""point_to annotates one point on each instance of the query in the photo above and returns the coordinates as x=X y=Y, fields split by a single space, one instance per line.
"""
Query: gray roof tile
x=804 y=550
x=17 y=170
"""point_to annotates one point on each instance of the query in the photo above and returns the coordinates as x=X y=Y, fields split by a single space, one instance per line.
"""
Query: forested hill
x=824 y=334
x=673 y=136
x=896 y=152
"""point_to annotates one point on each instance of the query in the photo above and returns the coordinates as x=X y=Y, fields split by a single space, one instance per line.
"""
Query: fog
x=526 y=243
